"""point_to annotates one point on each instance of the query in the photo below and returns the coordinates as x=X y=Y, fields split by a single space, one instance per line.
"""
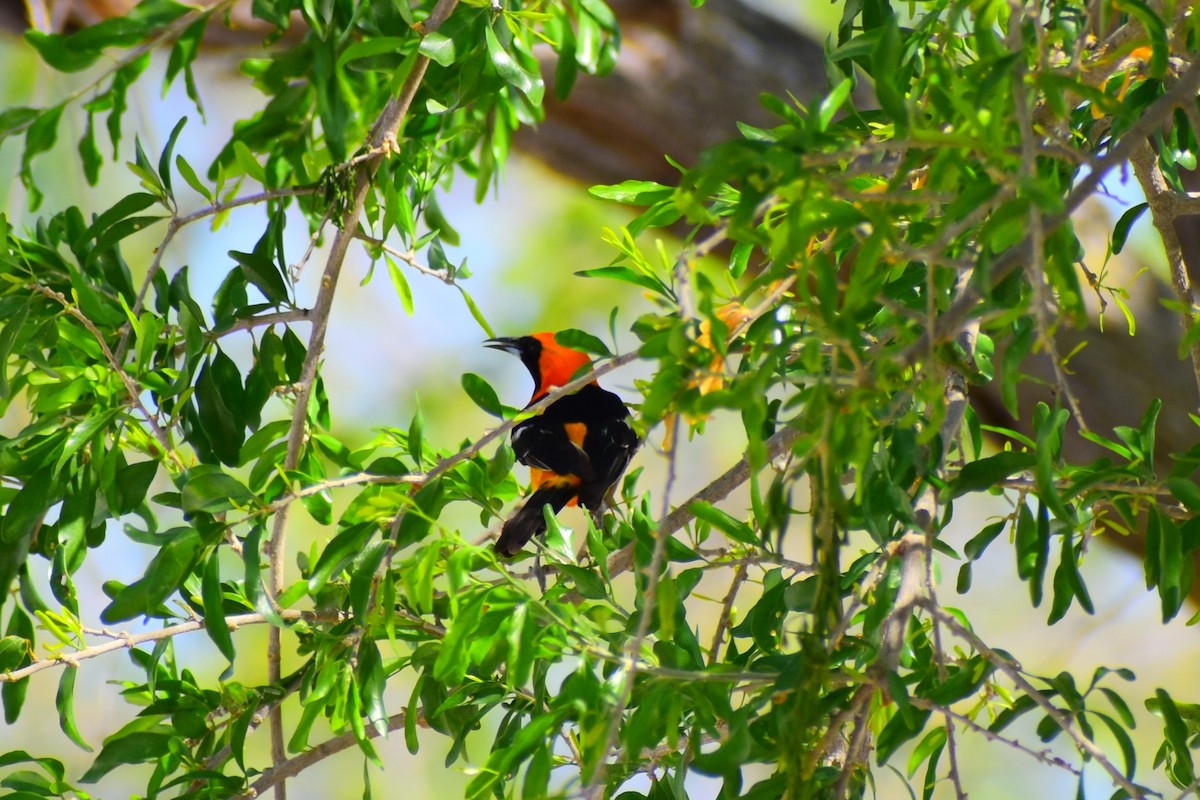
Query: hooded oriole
x=575 y=449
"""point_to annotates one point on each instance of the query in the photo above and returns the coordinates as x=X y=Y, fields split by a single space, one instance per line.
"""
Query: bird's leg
x=537 y=569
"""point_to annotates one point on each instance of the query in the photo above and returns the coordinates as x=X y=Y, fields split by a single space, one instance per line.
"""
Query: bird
x=576 y=448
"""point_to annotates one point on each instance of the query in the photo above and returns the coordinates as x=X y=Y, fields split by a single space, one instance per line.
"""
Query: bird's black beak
x=508 y=344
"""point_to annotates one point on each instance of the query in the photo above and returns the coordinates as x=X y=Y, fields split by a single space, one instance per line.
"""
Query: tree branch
x=1044 y=756
x=407 y=256
x=275 y=776
x=262 y=320
x=130 y=640
x=383 y=136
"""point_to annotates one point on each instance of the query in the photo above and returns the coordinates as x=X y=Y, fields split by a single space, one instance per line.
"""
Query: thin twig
x=408 y=257
x=1044 y=756
x=274 y=777
x=595 y=785
x=723 y=621
x=129 y=640
x=262 y=320
x=1013 y=672
x=720 y=487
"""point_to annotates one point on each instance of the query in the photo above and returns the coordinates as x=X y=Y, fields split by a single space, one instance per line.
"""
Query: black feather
x=529 y=521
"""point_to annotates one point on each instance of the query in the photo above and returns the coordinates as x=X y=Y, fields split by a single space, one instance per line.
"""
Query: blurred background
x=522 y=246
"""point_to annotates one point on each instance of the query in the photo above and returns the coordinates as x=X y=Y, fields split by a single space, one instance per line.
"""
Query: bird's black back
x=608 y=444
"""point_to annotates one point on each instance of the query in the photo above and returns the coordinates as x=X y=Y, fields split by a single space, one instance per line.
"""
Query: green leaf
x=898 y=730
x=1124 y=225
x=164 y=575
x=372 y=682
x=725 y=523
x=193 y=180
x=453 y=661
x=13 y=652
x=338 y=553
x=439 y=48
x=266 y=276
x=482 y=394
x=89 y=153
x=1128 y=754
x=183 y=55
x=636 y=193
x=39 y=137
x=16 y=119
x=211 y=491
x=372 y=47
x=627 y=275
x=362 y=570
x=64 y=701
x=27 y=508
x=1049 y=445
x=929 y=748
x=537 y=775
x=584 y=341
x=1032 y=549
x=400 y=283
x=504 y=760
x=247 y=162
x=83 y=432
x=512 y=72
x=988 y=473
x=220 y=398
x=1186 y=492
x=59 y=52
x=832 y=103
x=412 y=714
x=1067 y=584
x=133 y=481
x=476 y=313
x=1176 y=734
x=252 y=560
x=20 y=627
x=739 y=258
x=214 y=607
x=129 y=747
x=1168 y=559
x=979 y=542
x=164 y=160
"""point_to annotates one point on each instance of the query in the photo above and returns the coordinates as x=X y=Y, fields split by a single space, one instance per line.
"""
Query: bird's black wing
x=610 y=446
x=544 y=444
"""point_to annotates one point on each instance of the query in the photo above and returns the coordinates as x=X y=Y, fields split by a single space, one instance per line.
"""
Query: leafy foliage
x=875 y=258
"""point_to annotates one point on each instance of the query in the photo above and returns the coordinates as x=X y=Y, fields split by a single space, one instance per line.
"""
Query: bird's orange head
x=550 y=363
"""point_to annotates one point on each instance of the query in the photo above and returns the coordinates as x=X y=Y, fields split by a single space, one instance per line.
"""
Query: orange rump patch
x=540 y=477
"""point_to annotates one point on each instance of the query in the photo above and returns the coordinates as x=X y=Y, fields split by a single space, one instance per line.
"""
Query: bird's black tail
x=529 y=521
